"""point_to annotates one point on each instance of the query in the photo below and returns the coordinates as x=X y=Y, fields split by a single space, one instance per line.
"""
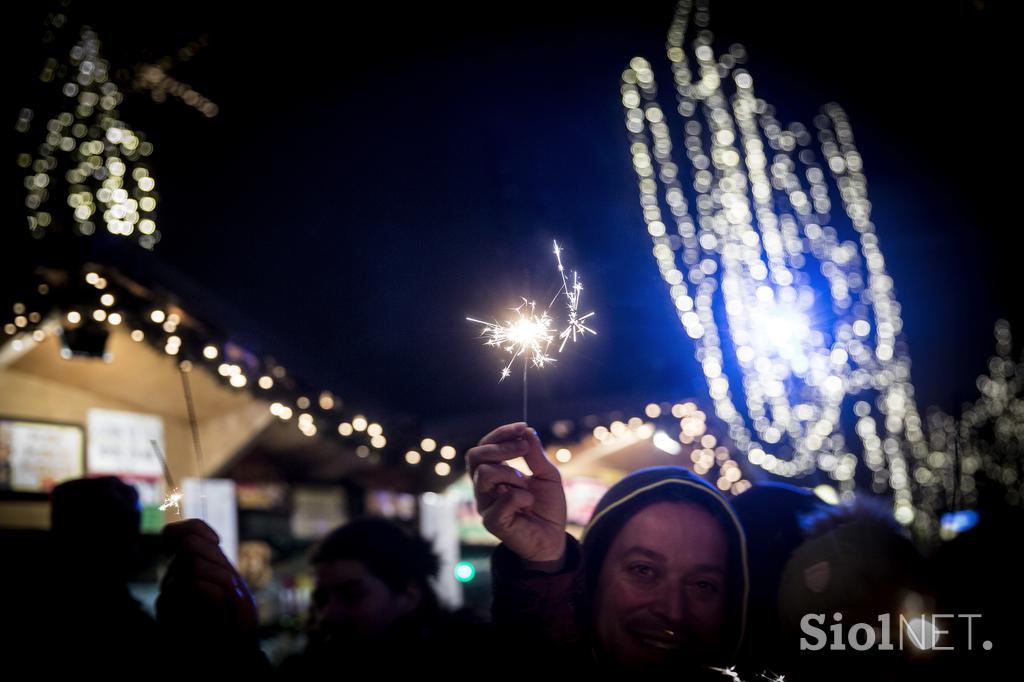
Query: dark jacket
x=550 y=612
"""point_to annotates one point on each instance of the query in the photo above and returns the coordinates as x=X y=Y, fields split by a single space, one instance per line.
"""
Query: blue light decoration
x=954 y=523
x=775 y=269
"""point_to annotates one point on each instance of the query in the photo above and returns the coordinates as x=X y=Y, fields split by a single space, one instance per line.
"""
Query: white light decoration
x=754 y=248
x=91 y=152
x=666 y=443
x=987 y=442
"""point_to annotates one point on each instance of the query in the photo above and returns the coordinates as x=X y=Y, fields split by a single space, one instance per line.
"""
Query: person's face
x=352 y=602
x=661 y=590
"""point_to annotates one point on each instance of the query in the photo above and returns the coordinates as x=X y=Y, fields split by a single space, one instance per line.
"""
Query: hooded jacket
x=553 y=612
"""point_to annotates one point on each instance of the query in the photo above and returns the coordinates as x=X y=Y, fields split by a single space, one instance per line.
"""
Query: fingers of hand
x=175 y=533
x=501 y=515
x=537 y=459
x=495 y=453
x=493 y=480
x=505 y=432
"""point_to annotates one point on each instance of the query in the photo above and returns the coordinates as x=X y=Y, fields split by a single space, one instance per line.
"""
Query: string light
x=95 y=153
x=751 y=229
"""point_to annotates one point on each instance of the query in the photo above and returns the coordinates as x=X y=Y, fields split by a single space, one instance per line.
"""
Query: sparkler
x=731 y=673
x=576 y=324
x=174 y=497
x=193 y=423
x=529 y=334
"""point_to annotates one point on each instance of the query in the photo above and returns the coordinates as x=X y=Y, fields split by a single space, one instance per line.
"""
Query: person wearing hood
x=658 y=585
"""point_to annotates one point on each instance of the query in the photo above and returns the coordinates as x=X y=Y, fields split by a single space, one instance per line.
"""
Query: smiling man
x=661 y=588
x=658 y=585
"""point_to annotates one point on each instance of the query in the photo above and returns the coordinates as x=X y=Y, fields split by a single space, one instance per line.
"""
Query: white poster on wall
x=121 y=443
x=213 y=501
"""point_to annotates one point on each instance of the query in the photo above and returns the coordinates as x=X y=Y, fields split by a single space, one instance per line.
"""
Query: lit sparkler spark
x=173 y=499
x=528 y=335
x=576 y=325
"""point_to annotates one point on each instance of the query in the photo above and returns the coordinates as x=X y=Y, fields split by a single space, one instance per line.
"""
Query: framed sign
x=121 y=444
x=36 y=456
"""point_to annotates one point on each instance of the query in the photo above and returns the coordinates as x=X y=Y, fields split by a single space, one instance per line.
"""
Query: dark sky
x=376 y=174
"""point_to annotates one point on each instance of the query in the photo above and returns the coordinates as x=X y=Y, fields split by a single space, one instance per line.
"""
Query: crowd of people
x=670 y=580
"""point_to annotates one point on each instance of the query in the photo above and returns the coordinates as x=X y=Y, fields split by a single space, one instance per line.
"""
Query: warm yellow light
x=563 y=455
x=442 y=468
x=448 y=452
x=266 y=382
x=210 y=352
x=345 y=429
x=412 y=457
x=74 y=317
x=374 y=429
x=428 y=445
x=359 y=423
x=157 y=316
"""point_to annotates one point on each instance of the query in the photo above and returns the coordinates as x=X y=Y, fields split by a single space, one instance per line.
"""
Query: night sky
x=376 y=174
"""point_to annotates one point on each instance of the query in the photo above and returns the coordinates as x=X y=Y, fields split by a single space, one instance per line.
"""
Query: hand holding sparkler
x=527 y=513
x=201 y=589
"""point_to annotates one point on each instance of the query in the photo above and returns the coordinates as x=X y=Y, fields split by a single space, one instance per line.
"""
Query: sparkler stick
x=196 y=445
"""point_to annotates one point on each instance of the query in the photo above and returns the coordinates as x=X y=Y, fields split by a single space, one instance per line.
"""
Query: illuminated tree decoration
x=986 y=444
x=92 y=152
x=793 y=315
